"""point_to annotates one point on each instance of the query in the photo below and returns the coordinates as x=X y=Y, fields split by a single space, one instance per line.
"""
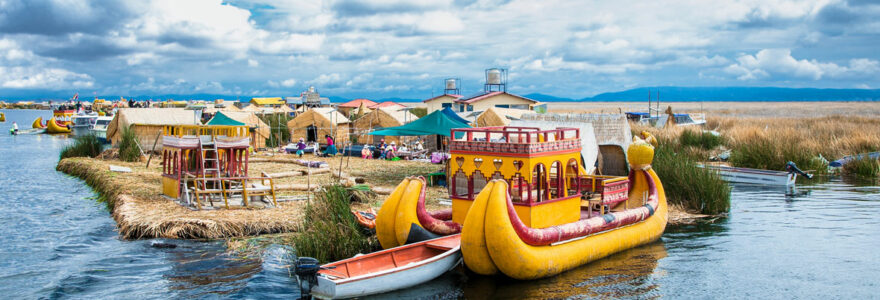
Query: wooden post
x=154 y=149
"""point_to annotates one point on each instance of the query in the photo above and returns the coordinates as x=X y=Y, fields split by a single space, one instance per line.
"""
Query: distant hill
x=667 y=93
x=546 y=98
x=739 y=94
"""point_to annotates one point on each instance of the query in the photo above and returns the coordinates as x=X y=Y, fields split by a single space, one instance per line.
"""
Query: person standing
x=331 y=146
x=14 y=128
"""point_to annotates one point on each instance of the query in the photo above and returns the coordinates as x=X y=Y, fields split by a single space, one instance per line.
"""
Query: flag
x=75 y=96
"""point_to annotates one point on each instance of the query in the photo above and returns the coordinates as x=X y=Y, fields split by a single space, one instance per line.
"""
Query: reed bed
x=128 y=148
x=140 y=212
x=863 y=168
x=328 y=231
x=83 y=146
x=694 y=188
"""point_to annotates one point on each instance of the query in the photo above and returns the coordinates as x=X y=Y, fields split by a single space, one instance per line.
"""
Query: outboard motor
x=306 y=270
x=792 y=168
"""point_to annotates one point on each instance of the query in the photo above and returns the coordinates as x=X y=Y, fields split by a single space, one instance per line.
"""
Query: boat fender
x=418 y=234
x=608 y=218
x=306 y=270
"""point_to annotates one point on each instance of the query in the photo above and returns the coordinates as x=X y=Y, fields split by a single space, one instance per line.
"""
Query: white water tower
x=496 y=80
x=452 y=86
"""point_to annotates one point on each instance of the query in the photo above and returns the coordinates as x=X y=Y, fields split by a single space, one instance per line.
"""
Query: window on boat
x=539 y=181
x=519 y=188
x=557 y=186
x=479 y=182
x=460 y=185
x=571 y=177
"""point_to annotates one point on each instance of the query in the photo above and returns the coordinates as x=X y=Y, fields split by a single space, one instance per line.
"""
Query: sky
x=391 y=48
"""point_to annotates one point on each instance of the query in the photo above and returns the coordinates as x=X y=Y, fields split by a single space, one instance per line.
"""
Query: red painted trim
x=395 y=269
x=528 y=203
x=549 y=235
x=428 y=221
x=505 y=154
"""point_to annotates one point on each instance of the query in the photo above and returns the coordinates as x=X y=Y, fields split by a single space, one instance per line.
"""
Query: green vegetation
x=769 y=154
x=128 y=148
x=866 y=168
x=688 y=185
x=328 y=231
x=84 y=146
x=419 y=111
x=278 y=125
x=705 y=140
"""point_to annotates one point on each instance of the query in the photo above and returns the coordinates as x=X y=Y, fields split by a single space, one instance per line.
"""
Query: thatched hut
x=259 y=130
x=147 y=123
x=381 y=118
x=314 y=124
x=496 y=116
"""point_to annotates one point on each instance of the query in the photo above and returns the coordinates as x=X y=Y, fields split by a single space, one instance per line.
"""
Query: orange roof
x=357 y=103
x=482 y=96
x=386 y=104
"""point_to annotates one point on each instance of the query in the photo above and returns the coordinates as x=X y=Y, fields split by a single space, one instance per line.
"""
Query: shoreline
x=140 y=212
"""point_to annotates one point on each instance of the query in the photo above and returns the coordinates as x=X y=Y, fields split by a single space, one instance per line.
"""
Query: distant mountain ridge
x=667 y=93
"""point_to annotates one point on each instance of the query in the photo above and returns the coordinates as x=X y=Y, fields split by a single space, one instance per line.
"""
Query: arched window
x=479 y=182
x=572 y=177
x=557 y=185
x=519 y=188
x=460 y=185
x=539 y=181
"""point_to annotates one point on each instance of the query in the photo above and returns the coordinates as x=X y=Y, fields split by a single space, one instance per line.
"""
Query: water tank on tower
x=450 y=83
x=451 y=86
x=496 y=80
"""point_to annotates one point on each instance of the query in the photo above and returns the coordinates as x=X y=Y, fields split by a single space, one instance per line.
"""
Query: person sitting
x=366 y=153
x=390 y=151
x=14 y=128
x=403 y=150
x=331 y=146
x=300 y=147
x=418 y=146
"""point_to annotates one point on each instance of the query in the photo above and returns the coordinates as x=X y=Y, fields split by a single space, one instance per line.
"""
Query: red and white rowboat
x=388 y=270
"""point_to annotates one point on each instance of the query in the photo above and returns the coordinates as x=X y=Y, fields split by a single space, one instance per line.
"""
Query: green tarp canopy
x=434 y=123
x=221 y=119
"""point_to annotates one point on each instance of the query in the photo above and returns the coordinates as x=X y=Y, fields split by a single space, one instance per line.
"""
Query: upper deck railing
x=213 y=131
x=514 y=140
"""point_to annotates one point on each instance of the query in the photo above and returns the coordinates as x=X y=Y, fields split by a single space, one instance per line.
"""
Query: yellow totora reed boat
x=524 y=206
x=53 y=126
x=38 y=123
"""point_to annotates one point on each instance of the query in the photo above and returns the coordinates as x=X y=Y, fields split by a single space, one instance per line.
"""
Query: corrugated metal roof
x=357 y=103
x=267 y=101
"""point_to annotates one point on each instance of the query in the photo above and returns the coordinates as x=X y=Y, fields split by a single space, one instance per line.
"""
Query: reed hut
x=259 y=130
x=496 y=116
x=314 y=124
x=284 y=109
x=147 y=124
x=381 y=118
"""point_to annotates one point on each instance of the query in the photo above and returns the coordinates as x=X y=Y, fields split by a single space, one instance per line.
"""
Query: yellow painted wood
x=406 y=210
x=516 y=259
x=169 y=187
x=473 y=236
x=385 y=230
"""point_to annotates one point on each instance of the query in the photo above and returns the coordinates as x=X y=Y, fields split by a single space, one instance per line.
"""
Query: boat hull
x=754 y=176
x=508 y=253
x=52 y=126
x=389 y=280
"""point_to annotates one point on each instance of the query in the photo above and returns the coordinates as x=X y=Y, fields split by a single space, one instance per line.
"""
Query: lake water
x=57 y=241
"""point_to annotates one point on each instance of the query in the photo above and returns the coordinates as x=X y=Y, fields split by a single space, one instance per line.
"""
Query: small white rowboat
x=387 y=270
x=754 y=176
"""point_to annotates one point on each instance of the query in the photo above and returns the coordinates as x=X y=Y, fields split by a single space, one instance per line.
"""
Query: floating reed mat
x=141 y=212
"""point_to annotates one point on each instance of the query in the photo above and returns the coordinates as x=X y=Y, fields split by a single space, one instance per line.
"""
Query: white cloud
x=43 y=78
x=779 y=62
x=253 y=63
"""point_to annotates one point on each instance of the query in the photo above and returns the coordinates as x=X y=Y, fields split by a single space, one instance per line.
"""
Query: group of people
x=390 y=151
x=330 y=151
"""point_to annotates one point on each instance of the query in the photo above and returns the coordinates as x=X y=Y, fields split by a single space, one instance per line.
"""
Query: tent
x=260 y=131
x=437 y=122
x=380 y=118
x=147 y=123
x=315 y=123
x=452 y=115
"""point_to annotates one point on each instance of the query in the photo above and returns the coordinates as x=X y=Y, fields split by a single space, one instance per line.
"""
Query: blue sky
x=389 y=48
